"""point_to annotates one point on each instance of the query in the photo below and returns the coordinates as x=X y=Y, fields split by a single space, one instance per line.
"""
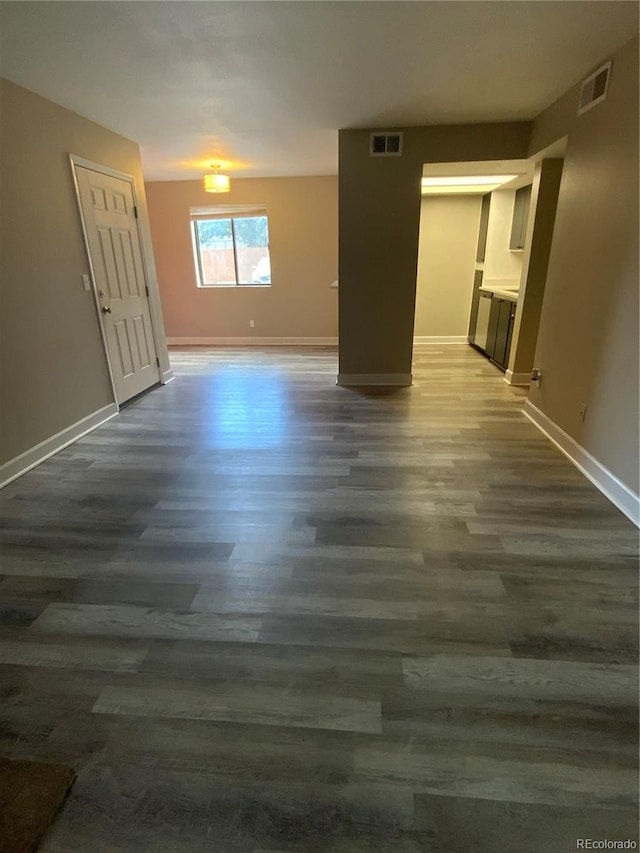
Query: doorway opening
x=475 y=280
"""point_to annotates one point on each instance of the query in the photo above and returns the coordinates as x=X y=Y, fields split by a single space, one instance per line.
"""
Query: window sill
x=229 y=286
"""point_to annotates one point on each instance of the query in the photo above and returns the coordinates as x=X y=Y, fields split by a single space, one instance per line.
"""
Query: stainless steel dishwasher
x=482 y=323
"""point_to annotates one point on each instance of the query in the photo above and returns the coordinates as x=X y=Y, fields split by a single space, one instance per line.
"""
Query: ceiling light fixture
x=216 y=183
x=463 y=183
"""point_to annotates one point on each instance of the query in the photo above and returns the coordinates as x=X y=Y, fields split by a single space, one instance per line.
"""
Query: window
x=231 y=246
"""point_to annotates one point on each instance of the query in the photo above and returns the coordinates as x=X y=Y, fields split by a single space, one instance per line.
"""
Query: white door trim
x=82 y=162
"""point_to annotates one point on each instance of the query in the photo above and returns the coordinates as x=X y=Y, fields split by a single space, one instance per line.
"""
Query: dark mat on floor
x=30 y=795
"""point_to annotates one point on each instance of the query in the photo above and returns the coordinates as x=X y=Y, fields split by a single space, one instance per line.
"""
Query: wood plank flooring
x=259 y=613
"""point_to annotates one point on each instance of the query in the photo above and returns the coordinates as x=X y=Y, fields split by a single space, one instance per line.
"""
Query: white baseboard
x=611 y=487
x=252 y=342
x=385 y=379
x=512 y=378
x=436 y=339
x=15 y=468
x=167 y=376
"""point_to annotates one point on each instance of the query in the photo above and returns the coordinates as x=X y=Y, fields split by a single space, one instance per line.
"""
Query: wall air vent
x=385 y=144
x=594 y=88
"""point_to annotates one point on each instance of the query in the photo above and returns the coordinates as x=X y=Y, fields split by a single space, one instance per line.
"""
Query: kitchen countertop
x=503 y=292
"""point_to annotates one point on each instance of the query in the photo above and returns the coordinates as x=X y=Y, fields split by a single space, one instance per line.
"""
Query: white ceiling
x=262 y=87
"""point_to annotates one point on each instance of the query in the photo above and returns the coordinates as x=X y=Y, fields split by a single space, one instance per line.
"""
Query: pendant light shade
x=216 y=183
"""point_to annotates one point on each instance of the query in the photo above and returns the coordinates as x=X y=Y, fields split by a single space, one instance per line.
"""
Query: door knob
x=106 y=310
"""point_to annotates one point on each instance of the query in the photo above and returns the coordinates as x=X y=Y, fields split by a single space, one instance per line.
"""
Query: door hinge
x=135 y=211
x=157 y=361
x=147 y=289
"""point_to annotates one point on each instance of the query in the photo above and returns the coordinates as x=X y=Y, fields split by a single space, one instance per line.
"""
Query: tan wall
x=446 y=261
x=588 y=337
x=535 y=263
x=54 y=370
x=499 y=262
x=379 y=224
x=303 y=234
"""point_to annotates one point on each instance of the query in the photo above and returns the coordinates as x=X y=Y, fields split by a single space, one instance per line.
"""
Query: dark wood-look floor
x=257 y=612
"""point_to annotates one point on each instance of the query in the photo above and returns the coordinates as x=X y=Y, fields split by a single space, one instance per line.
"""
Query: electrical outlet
x=252 y=324
x=583 y=411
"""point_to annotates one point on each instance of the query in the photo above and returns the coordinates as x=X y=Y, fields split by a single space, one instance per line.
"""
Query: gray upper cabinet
x=484 y=226
x=475 y=300
x=520 y=218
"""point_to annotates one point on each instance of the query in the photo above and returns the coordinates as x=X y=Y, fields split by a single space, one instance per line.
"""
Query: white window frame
x=224 y=212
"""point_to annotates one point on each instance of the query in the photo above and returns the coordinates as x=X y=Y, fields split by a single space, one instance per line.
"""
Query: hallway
x=260 y=613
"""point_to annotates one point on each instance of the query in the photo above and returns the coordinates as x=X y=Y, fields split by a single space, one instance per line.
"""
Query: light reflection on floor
x=246 y=410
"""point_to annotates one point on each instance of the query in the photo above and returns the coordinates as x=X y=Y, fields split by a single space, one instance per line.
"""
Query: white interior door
x=109 y=218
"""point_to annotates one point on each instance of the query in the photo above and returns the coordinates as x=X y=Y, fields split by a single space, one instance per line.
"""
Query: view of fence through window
x=232 y=251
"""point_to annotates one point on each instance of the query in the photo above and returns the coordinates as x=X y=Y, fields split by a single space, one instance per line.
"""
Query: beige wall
x=588 y=337
x=499 y=262
x=54 y=370
x=379 y=224
x=535 y=263
x=303 y=233
x=446 y=262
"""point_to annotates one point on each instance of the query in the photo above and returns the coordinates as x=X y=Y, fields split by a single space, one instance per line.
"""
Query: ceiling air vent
x=594 y=88
x=387 y=144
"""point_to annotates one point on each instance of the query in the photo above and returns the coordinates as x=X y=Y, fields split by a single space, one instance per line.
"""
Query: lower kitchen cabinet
x=507 y=349
x=475 y=301
x=492 y=329
x=494 y=320
x=482 y=320
x=505 y=310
